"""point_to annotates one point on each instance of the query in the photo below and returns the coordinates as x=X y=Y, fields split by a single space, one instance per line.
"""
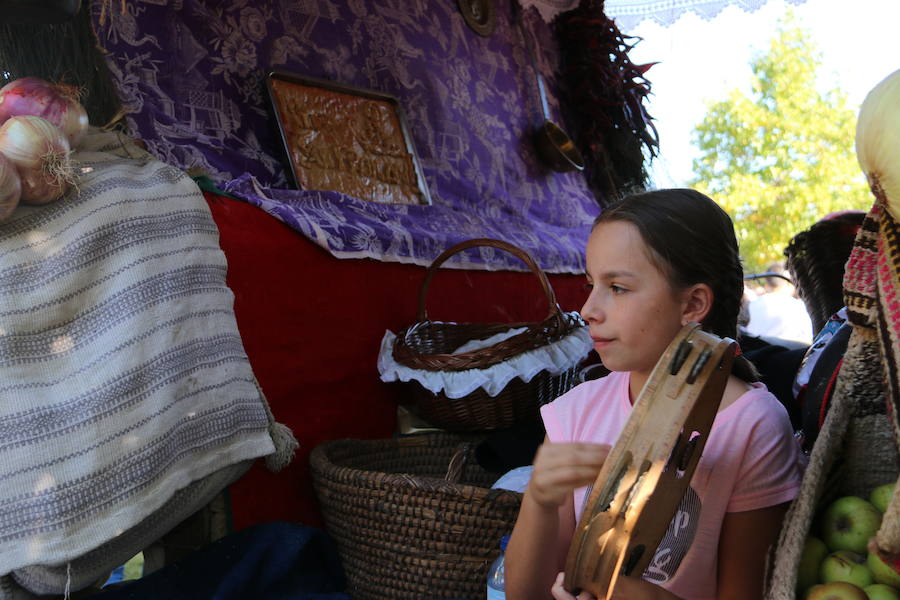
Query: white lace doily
x=628 y=13
x=556 y=358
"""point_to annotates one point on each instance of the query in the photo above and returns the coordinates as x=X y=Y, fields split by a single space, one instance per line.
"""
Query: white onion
x=878 y=140
x=40 y=187
x=74 y=123
x=10 y=188
x=40 y=152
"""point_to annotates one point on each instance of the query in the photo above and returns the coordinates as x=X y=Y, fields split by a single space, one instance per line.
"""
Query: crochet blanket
x=127 y=397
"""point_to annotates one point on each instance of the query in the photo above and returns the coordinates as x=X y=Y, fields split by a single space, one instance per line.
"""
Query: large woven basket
x=430 y=345
x=413 y=517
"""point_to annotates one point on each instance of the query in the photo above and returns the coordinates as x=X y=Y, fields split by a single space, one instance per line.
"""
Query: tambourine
x=648 y=470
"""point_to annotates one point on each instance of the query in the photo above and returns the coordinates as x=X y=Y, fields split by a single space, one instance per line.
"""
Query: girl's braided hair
x=691 y=240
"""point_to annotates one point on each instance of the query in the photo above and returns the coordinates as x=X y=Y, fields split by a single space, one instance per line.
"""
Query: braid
x=728 y=292
x=722 y=320
x=744 y=369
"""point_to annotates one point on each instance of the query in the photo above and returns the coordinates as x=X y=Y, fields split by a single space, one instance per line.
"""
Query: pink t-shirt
x=751 y=461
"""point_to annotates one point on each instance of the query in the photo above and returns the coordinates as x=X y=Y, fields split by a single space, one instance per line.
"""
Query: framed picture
x=346 y=139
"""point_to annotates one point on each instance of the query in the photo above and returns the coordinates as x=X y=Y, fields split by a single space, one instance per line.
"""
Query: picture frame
x=346 y=139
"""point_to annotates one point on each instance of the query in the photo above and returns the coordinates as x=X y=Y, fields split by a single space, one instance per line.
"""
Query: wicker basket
x=412 y=517
x=429 y=345
x=816 y=259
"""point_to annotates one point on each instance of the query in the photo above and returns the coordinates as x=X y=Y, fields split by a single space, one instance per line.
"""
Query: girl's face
x=632 y=310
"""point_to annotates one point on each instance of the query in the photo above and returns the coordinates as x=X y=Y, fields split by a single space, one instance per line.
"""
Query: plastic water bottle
x=495 y=582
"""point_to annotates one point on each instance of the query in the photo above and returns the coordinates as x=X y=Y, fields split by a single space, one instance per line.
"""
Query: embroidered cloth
x=191 y=75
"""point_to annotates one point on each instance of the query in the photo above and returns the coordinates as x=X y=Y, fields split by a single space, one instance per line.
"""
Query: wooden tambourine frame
x=648 y=470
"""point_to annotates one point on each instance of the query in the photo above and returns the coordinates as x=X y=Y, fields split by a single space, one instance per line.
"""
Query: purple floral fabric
x=191 y=73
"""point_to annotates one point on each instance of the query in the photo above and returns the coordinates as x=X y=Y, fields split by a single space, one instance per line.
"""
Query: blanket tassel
x=282 y=437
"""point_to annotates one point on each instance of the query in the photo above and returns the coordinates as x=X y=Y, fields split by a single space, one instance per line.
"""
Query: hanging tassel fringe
x=286 y=444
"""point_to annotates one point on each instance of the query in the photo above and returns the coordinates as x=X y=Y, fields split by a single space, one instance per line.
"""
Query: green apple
x=838 y=590
x=879 y=591
x=881 y=571
x=848 y=523
x=881 y=495
x=814 y=552
x=847 y=566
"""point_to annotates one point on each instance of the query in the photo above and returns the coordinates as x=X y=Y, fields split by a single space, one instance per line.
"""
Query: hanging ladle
x=555 y=148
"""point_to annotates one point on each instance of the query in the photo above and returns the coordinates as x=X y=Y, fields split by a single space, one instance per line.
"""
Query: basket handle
x=458 y=462
x=422 y=315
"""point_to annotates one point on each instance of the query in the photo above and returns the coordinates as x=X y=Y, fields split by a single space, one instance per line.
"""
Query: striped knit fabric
x=872 y=294
x=126 y=397
x=883 y=284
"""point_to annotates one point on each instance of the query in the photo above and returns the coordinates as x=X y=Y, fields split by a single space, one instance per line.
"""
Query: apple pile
x=836 y=563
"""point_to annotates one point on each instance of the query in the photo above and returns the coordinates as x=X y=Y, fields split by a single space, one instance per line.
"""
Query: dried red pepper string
x=603 y=97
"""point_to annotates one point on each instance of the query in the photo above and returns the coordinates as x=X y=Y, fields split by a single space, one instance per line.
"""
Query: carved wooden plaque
x=347 y=140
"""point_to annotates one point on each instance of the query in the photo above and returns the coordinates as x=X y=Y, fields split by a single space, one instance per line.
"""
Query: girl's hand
x=561 y=468
x=560 y=593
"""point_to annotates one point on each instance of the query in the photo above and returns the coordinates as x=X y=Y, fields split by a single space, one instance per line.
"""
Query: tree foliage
x=780 y=157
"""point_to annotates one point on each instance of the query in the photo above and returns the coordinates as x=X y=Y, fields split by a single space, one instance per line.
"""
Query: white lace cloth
x=628 y=13
x=556 y=357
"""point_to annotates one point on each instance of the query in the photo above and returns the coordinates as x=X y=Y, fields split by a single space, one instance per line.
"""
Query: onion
x=40 y=188
x=10 y=188
x=878 y=141
x=40 y=152
x=74 y=123
x=58 y=104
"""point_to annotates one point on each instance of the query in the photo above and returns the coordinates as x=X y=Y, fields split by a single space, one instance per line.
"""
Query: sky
x=700 y=61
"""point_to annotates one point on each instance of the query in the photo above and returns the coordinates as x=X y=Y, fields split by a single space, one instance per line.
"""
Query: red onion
x=40 y=152
x=58 y=104
x=10 y=188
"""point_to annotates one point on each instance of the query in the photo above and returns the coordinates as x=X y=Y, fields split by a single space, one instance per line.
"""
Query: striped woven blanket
x=126 y=397
x=872 y=294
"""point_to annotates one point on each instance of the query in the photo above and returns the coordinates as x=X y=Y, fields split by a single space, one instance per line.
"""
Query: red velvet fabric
x=312 y=325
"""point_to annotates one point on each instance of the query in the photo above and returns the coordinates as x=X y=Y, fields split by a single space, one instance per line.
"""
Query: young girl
x=655 y=262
